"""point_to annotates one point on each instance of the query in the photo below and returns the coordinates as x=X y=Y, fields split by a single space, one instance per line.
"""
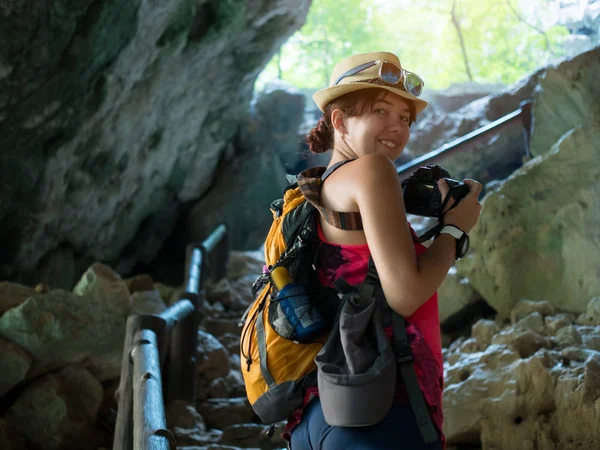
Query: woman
x=367 y=113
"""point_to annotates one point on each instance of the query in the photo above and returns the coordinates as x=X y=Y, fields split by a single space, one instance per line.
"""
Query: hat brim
x=323 y=97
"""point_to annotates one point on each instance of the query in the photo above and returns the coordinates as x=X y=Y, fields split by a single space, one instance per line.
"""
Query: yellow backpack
x=277 y=370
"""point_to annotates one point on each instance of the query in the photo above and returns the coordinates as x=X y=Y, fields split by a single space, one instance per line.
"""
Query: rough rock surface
x=515 y=388
x=124 y=113
x=59 y=410
x=498 y=155
x=537 y=236
x=60 y=327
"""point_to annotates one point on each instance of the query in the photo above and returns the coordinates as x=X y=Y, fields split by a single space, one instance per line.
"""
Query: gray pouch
x=356 y=367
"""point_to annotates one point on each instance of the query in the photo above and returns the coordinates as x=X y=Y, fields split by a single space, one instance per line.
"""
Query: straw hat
x=353 y=83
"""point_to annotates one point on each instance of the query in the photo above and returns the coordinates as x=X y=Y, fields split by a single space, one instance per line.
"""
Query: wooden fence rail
x=159 y=354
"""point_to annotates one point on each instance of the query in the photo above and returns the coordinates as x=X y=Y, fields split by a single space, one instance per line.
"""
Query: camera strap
x=436 y=229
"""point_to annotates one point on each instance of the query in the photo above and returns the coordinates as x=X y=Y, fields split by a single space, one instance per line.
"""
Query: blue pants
x=398 y=431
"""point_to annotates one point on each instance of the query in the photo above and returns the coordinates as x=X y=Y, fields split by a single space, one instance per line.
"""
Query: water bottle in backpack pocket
x=292 y=314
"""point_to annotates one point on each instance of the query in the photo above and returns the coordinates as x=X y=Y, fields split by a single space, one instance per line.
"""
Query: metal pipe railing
x=164 y=341
x=469 y=140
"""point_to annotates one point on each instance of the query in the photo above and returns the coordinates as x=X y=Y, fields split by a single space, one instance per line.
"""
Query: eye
x=405 y=119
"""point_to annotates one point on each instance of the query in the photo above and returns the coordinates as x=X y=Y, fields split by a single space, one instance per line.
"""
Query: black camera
x=422 y=196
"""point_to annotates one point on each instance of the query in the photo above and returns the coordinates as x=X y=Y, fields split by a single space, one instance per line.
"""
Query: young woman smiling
x=367 y=113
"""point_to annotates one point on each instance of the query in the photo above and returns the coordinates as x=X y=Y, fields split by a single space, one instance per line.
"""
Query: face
x=384 y=130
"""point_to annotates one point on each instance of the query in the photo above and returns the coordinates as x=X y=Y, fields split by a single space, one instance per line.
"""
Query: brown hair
x=320 y=139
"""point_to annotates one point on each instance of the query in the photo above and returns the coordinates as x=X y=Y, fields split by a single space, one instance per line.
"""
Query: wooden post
x=150 y=429
x=123 y=438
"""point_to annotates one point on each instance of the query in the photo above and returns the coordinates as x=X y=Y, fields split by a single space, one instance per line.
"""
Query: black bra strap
x=334 y=168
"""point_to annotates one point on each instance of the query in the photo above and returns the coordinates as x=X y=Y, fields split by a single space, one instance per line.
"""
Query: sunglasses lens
x=413 y=84
x=390 y=73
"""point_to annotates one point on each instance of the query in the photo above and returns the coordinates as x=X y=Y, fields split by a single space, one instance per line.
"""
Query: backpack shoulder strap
x=404 y=357
x=310 y=182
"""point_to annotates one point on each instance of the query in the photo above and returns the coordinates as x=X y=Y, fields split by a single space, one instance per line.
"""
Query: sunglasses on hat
x=392 y=74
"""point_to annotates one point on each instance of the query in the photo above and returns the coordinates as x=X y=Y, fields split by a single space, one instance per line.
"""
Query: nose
x=398 y=126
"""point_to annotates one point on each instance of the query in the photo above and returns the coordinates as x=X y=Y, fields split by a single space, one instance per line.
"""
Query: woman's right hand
x=466 y=213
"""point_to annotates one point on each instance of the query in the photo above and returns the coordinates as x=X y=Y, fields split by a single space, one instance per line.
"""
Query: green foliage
x=504 y=39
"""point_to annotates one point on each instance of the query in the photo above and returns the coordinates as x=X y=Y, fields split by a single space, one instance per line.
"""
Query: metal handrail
x=470 y=139
x=164 y=341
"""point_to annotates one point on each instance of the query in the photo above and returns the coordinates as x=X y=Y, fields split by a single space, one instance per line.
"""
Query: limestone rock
x=59 y=410
x=15 y=365
x=125 y=112
x=525 y=307
x=188 y=425
x=220 y=327
x=526 y=390
x=212 y=358
x=147 y=302
x=533 y=241
x=13 y=294
x=59 y=327
x=554 y=323
x=592 y=314
x=221 y=412
x=565 y=98
x=483 y=331
x=455 y=293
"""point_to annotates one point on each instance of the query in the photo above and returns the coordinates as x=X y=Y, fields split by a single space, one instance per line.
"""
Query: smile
x=389 y=144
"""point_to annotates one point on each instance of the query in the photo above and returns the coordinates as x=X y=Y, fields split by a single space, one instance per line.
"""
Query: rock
x=455 y=293
x=524 y=308
x=592 y=314
x=533 y=322
x=98 y=96
x=220 y=327
x=568 y=336
x=245 y=266
x=566 y=98
x=59 y=327
x=224 y=293
x=525 y=342
x=555 y=323
x=478 y=385
x=13 y=294
x=483 y=331
x=140 y=283
x=15 y=365
x=231 y=342
x=147 y=302
x=231 y=385
x=169 y=294
x=212 y=359
x=253 y=179
x=527 y=227
x=188 y=425
x=591 y=378
x=59 y=410
x=274 y=122
x=520 y=392
x=221 y=412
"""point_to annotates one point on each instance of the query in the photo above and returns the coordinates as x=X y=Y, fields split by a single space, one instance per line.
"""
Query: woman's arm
x=407 y=280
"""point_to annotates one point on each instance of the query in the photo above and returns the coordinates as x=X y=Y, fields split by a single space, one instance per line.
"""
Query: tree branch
x=539 y=30
x=456 y=24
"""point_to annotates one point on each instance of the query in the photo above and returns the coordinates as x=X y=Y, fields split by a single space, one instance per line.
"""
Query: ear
x=338 y=120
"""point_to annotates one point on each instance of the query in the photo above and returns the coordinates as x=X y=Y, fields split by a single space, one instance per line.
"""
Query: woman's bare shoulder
x=372 y=172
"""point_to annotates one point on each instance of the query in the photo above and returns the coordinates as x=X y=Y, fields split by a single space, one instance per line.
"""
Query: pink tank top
x=351 y=261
